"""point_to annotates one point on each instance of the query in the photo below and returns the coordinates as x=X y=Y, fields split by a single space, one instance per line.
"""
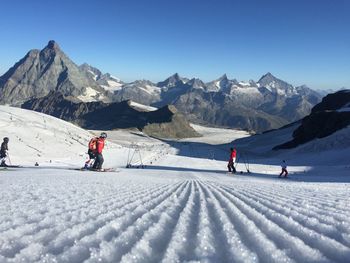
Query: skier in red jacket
x=100 y=144
x=232 y=160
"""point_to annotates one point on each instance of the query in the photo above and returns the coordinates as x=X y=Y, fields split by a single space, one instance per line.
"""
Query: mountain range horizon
x=254 y=105
x=52 y=44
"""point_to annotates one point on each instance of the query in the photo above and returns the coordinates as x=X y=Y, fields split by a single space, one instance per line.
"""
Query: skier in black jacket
x=3 y=151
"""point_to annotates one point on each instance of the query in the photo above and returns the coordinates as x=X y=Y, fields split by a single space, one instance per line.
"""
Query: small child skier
x=3 y=151
x=284 y=169
x=91 y=152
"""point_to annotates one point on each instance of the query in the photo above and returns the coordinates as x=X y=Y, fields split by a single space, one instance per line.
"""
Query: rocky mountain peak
x=267 y=78
x=176 y=76
x=172 y=81
x=51 y=50
x=53 y=45
x=40 y=72
x=91 y=71
x=223 y=77
x=196 y=83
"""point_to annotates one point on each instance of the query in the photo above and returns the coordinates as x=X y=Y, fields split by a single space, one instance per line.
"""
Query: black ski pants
x=231 y=166
x=98 y=161
x=2 y=154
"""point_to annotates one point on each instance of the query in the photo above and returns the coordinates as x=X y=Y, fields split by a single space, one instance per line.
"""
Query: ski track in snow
x=181 y=217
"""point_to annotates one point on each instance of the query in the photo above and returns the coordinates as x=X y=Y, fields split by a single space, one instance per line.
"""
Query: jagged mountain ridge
x=267 y=104
x=106 y=81
x=257 y=106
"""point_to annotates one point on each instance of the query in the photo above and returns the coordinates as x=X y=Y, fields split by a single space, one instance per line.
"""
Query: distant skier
x=3 y=151
x=92 y=146
x=100 y=144
x=232 y=160
x=284 y=169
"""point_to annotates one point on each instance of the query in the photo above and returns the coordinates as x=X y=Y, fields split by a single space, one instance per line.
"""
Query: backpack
x=93 y=144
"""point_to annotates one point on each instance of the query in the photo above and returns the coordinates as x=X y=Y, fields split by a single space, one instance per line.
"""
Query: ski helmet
x=103 y=135
x=6 y=139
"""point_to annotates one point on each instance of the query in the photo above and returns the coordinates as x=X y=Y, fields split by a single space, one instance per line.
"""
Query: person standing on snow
x=3 y=151
x=91 y=152
x=232 y=160
x=100 y=144
x=284 y=169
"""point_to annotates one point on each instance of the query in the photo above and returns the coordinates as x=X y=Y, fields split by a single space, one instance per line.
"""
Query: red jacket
x=100 y=145
x=233 y=155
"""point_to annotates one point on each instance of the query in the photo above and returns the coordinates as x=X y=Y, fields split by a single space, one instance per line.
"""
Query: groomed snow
x=183 y=207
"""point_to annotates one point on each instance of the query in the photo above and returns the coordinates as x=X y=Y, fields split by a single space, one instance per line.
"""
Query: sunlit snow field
x=183 y=207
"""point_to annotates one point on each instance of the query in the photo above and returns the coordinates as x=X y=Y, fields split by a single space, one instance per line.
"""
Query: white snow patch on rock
x=89 y=95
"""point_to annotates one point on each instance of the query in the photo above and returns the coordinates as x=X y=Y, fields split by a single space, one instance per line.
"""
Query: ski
x=98 y=171
x=136 y=166
x=11 y=166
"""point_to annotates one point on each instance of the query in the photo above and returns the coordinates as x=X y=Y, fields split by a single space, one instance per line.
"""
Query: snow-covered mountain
x=142 y=91
x=256 y=106
x=106 y=81
x=221 y=84
x=173 y=81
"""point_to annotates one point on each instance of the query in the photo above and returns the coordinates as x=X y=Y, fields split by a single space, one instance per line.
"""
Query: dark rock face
x=333 y=101
x=59 y=106
x=326 y=118
x=165 y=122
x=219 y=110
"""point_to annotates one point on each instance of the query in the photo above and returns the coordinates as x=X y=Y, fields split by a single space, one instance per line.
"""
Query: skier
x=232 y=160
x=3 y=151
x=91 y=152
x=284 y=169
x=98 y=152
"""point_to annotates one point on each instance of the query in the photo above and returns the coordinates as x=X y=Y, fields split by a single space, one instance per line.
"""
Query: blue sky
x=300 y=41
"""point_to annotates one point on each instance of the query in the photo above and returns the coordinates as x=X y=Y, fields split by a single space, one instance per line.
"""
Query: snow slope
x=183 y=207
x=36 y=137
